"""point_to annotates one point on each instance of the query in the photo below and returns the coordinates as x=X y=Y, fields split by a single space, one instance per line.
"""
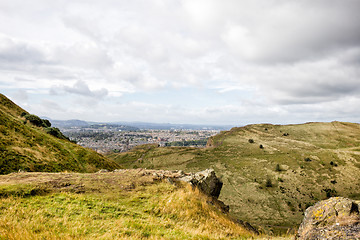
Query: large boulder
x=334 y=218
x=206 y=181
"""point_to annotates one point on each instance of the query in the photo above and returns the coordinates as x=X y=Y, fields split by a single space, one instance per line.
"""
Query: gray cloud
x=51 y=106
x=81 y=88
x=21 y=95
x=283 y=58
x=19 y=52
x=311 y=83
x=288 y=31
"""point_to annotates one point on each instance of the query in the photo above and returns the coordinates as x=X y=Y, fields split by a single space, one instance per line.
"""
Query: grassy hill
x=128 y=204
x=271 y=173
x=30 y=145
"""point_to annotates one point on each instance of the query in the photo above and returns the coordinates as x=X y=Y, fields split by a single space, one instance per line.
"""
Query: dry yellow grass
x=122 y=205
x=193 y=208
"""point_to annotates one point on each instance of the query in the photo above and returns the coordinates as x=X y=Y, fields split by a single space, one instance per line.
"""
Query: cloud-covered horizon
x=183 y=61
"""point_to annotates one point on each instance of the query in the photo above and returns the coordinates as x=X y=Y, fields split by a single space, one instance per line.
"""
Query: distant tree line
x=197 y=143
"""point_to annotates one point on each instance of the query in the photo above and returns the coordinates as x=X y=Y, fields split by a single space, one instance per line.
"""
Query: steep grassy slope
x=271 y=184
x=30 y=148
x=115 y=205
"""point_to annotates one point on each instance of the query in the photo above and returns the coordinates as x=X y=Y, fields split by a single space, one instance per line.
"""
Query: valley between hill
x=271 y=173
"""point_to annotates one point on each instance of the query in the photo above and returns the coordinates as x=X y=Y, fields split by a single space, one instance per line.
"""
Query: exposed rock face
x=206 y=181
x=334 y=218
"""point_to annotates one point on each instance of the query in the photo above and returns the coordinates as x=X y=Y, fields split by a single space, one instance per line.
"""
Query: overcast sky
x=183 y=61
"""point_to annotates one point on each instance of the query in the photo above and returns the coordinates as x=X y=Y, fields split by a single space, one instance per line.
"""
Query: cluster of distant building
x=114 y=140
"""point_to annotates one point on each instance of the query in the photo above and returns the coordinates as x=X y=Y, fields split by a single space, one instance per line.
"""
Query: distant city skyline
x=207 y=62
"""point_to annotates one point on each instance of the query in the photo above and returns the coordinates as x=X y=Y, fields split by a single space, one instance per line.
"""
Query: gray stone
x=206 y=181
x=334 y=218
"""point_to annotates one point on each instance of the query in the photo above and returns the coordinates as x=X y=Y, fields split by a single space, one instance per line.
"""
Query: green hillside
x=31 y=144
x=271 y=173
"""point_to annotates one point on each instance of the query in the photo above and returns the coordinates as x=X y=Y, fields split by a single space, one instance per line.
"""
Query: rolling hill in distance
x=136 y=125
x=271 y=173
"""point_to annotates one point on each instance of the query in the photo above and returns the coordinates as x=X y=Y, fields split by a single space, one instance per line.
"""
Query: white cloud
x=14 y=52
x=239 y=39
x=268 y=60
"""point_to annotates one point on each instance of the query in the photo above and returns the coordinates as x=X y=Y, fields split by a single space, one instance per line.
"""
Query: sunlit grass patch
x=147 y=211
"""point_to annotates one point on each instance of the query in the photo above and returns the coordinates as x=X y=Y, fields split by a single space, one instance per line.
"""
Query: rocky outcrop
x=334 y=218
x=206 y=181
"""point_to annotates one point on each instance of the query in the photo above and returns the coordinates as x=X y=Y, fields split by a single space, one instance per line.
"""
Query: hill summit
x=29 y=143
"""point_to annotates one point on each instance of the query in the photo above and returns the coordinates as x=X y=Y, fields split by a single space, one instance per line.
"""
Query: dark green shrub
x=261 y=146
x=46 y=123
x=56 y=133
x=333 y=164
x=278 y=168
x=251 y=140
x=330 y=192
x=35 y=120
x=268 y=183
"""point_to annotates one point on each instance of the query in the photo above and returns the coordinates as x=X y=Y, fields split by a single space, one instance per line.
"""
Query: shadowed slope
x=31 y=148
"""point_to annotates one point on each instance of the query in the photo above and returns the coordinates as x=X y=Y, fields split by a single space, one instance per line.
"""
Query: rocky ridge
x=334 y=218
x=206 y=181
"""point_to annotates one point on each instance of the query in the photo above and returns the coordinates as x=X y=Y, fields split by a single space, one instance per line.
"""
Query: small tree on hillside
x=268 y=183
x=278 y=168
